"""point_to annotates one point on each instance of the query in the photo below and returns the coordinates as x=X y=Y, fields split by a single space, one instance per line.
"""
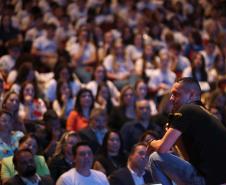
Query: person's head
x=141 y=89
x=50 y=29
x=184 y=91
x=24 y=163
x=66 y=143
x=5 y=121
x=51 y=120
x=112 y=143
x=164 y=60
x=63 y=72
x=11 y=102
x=118 y=48
x=29 y=141
x=127 y=96
x=84 y=100
x=63 y=91
x=98 y=119
x=103 y=91
x=100 y=74
x=143 y=110
x=25 y=73
x=138 y=157
x=83 y=156
x=198 y=61
x=28 y=92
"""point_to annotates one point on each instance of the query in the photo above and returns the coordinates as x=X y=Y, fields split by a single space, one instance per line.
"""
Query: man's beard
x=29 y=172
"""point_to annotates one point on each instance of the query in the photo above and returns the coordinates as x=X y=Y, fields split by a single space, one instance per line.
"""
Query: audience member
x=11 y=103
x=125 y=111
x=79 y=117
x=82 y=172
x=31 y=107
x=8 y=138
x=135 y=173
x=111 y=155
x=132 y=131
x=63 y=159
x=94 y=134
x=64 y=102
x=24 y=163
x=26 y=142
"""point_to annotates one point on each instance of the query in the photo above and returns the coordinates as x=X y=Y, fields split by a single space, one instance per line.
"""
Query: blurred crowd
x=101 y=71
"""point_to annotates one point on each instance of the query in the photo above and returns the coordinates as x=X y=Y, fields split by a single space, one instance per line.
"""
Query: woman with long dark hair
x=79 y=117
x=111 y=156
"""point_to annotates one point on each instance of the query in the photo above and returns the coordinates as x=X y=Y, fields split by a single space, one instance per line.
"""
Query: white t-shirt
x=72 y=177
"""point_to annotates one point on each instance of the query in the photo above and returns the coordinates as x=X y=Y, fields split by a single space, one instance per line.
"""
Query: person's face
x=128 y=97
x=148 y=50
x=139 y=158
x=83 y=157
x=25 y=164
x=113 y=143
x=65 y=89
x=12 y=103
x=64 y=74
x=50 y=33
x=5 y=123
x=99 y=122
x=99 y=74
x=86 y=99
x=143 y=110
x=141 y=90
x=30 y=144
x=69 y=143
x=104 y=92
x=198 y=60
x=28 y=92
x=179 y=96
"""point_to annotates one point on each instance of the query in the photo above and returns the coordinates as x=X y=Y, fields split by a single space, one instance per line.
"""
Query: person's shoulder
x=68 y=173
x=46 y=180
x=98 y=173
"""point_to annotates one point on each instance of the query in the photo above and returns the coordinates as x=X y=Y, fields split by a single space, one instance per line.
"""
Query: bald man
x=203 y=137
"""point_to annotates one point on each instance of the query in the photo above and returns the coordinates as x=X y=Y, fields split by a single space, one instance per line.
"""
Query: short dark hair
x=135 y=147
x=17 y=154
x=81 y=143
x=190 y=82
x=50 y=115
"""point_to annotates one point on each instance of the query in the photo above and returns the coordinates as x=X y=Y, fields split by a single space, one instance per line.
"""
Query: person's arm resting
x=164 y=145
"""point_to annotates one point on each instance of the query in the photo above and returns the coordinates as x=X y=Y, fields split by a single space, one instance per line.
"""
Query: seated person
x=26 y=142
x=111 y=156
x=135 y=170
x=82 y=172
x=24 y=163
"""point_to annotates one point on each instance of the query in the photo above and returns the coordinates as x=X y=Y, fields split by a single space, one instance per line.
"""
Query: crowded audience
x=89 y=79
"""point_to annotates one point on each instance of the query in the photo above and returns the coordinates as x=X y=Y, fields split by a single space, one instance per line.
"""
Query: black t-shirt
x=204 y=138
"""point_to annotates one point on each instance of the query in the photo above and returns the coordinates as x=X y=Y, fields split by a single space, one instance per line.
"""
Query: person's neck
x=138 y=171
x=144 y=123
x=84 y=172
x=85 y=112
x=32 y=178
x=112 y=153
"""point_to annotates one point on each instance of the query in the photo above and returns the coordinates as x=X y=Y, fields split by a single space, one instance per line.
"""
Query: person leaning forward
x=202 y=134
